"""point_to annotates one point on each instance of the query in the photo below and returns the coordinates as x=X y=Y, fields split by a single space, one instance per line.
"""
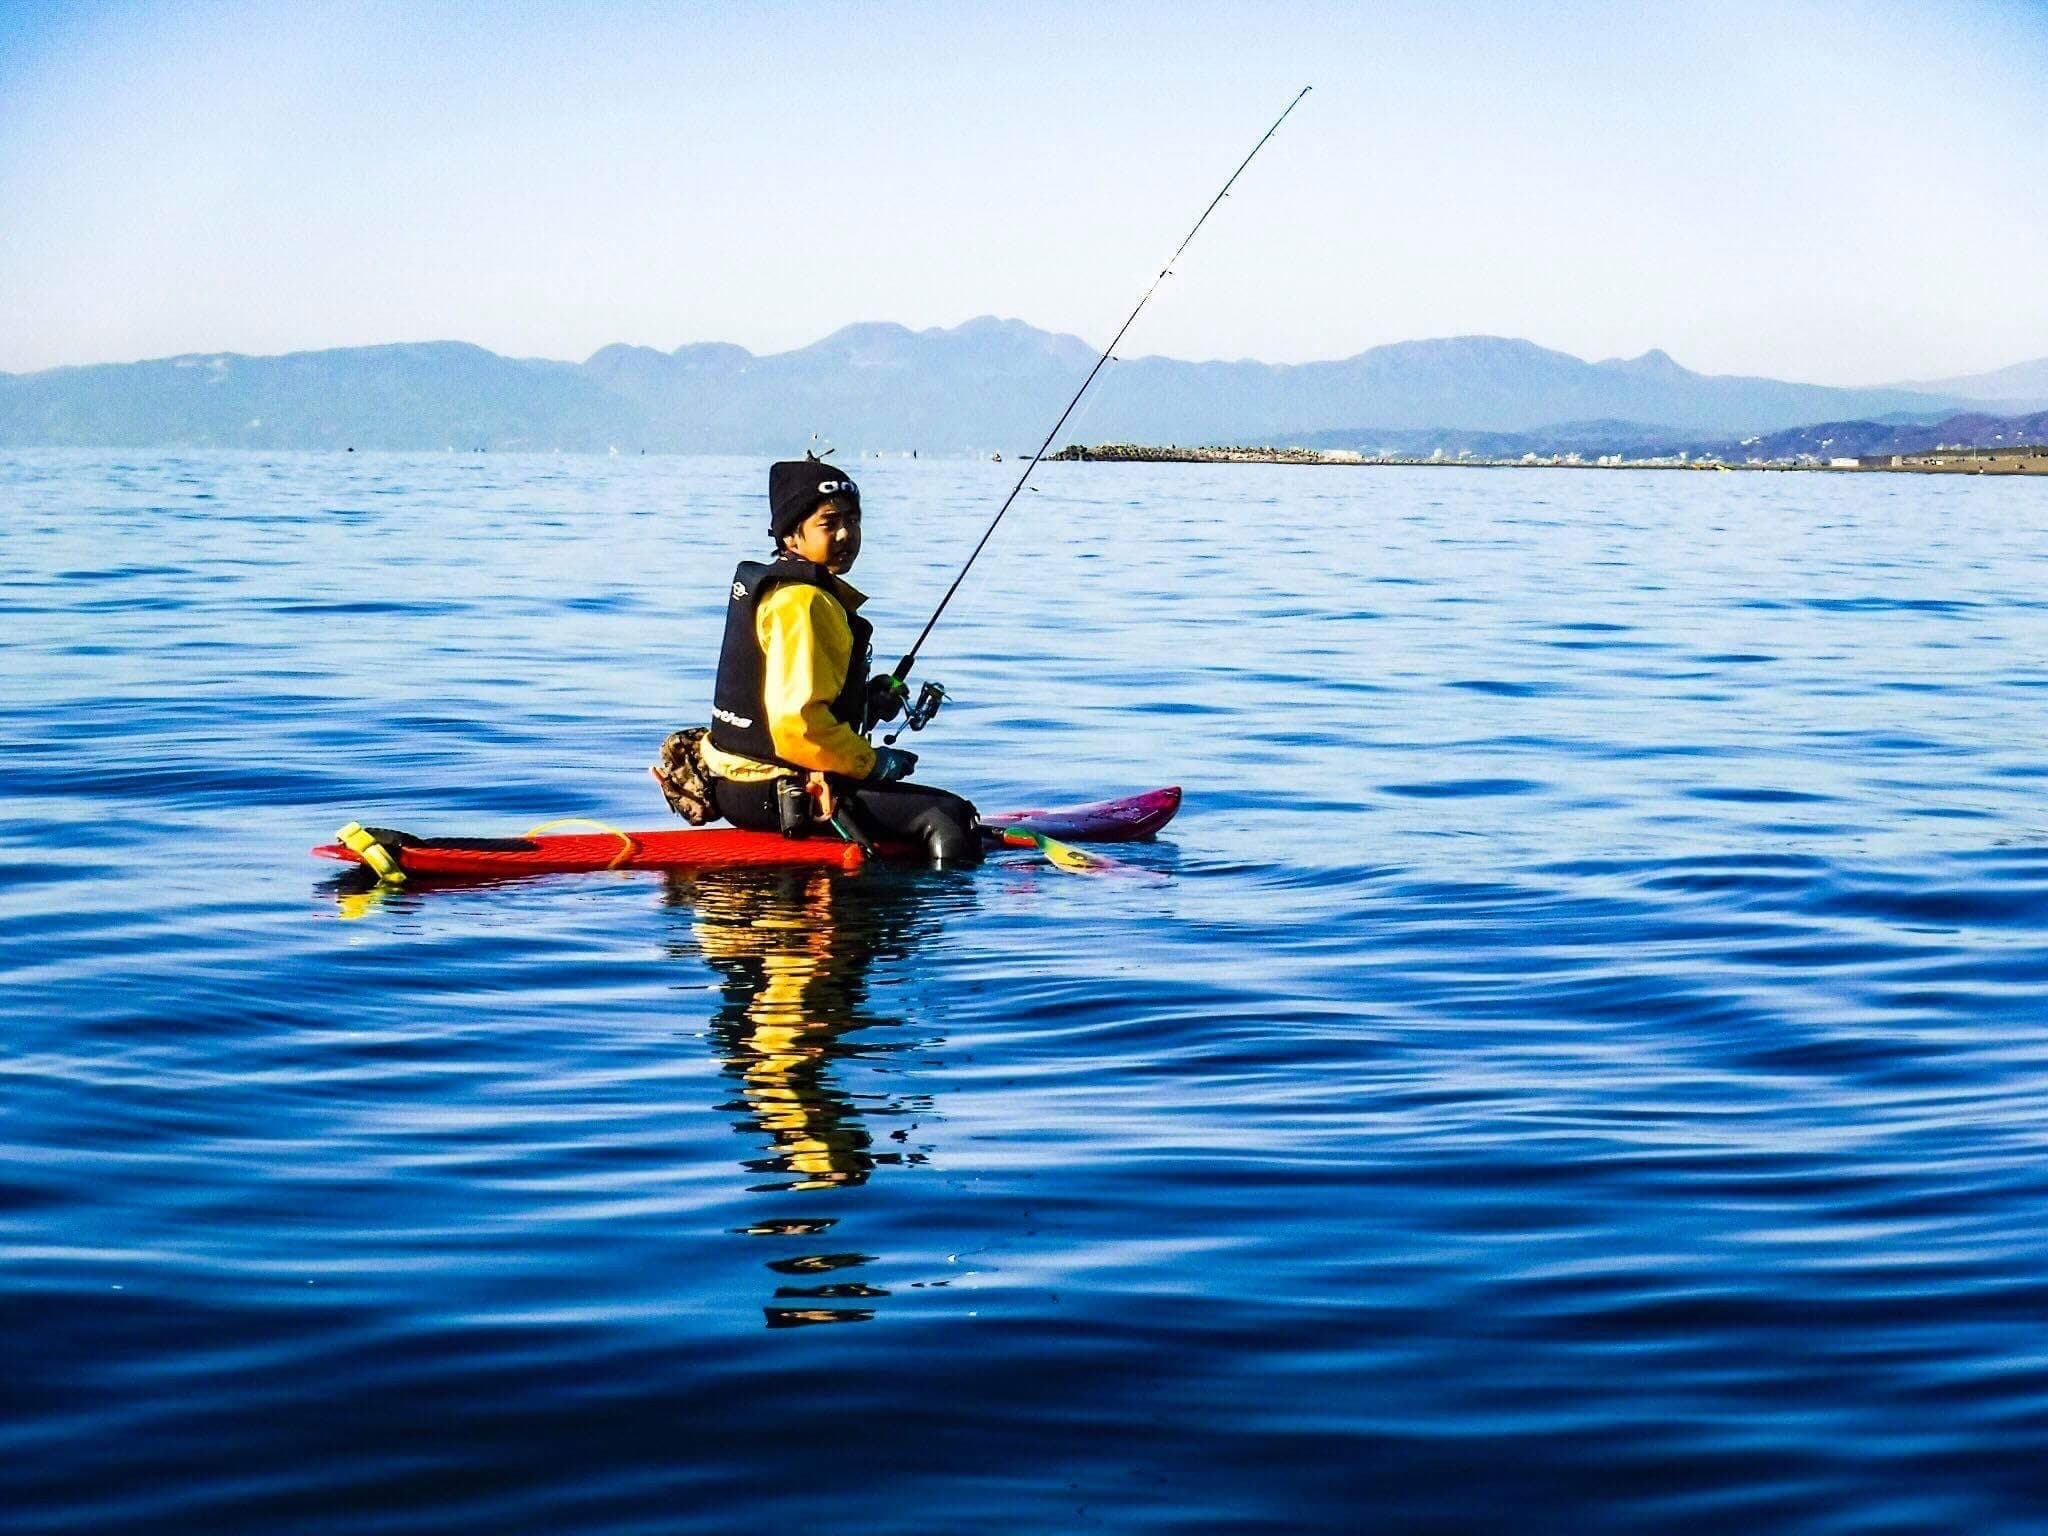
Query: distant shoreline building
x=2028 y=459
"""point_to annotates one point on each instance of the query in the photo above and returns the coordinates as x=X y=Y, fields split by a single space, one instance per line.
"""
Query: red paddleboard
x=1111 y=821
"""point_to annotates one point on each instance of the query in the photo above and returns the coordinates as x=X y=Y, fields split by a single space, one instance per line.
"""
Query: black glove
x=891 y=764
x=885 y=699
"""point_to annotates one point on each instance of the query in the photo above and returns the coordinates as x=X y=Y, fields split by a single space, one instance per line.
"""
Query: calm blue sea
x=1578 y=1064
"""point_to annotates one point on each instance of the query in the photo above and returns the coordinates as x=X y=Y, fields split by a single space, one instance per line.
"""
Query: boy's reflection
x=794 y=949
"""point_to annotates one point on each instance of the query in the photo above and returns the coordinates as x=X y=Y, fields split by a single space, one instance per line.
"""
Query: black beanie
x=796 y=486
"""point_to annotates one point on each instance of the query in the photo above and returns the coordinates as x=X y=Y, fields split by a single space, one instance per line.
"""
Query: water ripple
x=1579 y=1052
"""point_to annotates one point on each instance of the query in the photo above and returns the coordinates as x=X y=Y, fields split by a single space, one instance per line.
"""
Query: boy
x=794 y=697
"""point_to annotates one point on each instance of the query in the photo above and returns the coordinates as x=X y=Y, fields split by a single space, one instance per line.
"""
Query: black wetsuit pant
x=942 y=824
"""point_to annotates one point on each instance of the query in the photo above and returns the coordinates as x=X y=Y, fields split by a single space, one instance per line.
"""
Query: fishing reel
x=920 y=712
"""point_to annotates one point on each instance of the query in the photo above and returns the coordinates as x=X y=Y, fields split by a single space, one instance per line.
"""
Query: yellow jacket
x=808 y=646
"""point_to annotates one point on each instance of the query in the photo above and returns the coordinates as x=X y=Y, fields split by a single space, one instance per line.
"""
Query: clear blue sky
x=1846 y=193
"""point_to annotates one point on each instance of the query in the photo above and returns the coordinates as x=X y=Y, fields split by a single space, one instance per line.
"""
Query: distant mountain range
x=1862 y=439
x=987 y=384
x=2022 y=387
x=1595 y=439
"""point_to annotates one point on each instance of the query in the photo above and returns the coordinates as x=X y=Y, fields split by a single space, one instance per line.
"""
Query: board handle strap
x=626 y=844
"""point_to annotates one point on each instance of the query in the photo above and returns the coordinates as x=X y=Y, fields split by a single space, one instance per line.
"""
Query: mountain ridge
x=987 y=383
x=2024 y=386
x=1644 y=440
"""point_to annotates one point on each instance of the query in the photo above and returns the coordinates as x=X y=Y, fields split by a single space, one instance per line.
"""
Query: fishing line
x=910 y=656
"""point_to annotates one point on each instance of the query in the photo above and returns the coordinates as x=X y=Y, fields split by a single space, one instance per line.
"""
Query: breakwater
x=2013 y=461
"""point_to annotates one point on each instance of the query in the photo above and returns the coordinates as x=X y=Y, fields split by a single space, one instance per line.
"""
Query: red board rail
x=1128 y=819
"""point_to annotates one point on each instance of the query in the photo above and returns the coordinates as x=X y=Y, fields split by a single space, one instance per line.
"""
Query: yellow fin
x=1060 y=855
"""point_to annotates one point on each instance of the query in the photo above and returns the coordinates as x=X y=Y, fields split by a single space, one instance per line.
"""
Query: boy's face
x=830 y=536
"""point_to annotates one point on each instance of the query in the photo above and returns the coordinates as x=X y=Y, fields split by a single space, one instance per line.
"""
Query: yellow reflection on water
x=795 y=951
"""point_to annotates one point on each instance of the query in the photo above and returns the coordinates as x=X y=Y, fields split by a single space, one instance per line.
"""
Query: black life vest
x=739 y=708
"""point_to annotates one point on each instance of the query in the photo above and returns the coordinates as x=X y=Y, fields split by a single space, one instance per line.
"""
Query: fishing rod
x=910 y=656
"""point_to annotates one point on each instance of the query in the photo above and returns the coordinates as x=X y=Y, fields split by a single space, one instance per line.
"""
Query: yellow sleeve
x=809 y=646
